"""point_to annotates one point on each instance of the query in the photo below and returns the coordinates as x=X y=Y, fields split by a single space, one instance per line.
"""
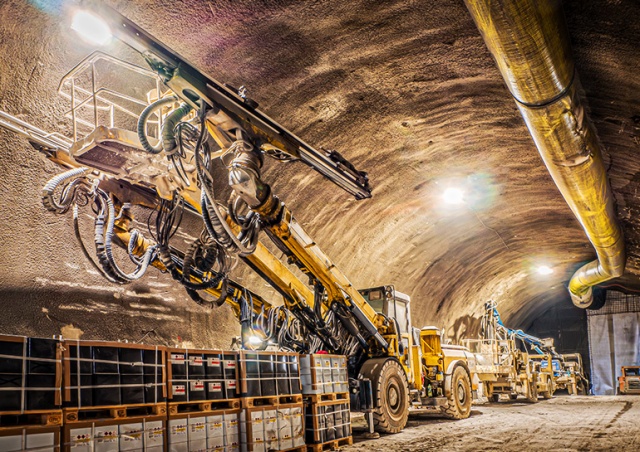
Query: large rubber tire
x=495 y=398
x=513 y=396
x=549 y=392
x=390 y=394
x=459 y=401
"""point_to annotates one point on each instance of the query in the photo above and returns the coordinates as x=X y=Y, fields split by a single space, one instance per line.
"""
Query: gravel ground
x=564 y=423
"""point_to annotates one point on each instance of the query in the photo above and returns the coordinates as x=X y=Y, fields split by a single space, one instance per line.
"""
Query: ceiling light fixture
x=453 y=196
x=545 y=270
x=91 y=28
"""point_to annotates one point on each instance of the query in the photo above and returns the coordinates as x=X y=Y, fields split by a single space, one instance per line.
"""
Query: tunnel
x=464 y=209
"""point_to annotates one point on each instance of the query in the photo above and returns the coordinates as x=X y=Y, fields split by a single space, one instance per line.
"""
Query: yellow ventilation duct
x=530 y=43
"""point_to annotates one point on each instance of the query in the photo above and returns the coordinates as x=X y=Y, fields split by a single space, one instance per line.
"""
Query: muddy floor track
x=564 y=423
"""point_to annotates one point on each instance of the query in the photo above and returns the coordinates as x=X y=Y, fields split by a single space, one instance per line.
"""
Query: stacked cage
x=202 y=378
x=135 y=433
x=325 y=385
x=204 y=404
x=272 y=408
x=114 y=396
x=30 y=394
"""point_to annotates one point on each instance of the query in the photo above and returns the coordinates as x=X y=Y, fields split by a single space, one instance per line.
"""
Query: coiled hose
x=66 y=200
x=142 y=124
x=214 y=220
x=103 y=241
x=168 y=128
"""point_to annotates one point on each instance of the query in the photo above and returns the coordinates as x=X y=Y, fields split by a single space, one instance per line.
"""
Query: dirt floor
x=563 y=423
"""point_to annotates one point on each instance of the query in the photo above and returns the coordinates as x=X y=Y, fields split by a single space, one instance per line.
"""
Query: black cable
x=142 y=124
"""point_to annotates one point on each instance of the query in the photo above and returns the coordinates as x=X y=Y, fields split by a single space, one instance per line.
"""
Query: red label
x=177 y=357
x=231 y=384
x=195 y=360
x=213 y=362
x=230 y=364
x=215 y=387
x=197 y=385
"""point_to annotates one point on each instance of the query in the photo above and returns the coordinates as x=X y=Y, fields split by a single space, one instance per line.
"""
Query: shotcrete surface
x=406 y=90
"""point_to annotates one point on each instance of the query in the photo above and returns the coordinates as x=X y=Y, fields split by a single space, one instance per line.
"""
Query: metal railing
x=87 y=96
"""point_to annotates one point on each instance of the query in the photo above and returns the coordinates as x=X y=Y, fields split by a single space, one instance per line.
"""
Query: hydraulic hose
x=142 y=124
x=49 y=201
x=168 y=129
x=103 y=242
x=214 y=220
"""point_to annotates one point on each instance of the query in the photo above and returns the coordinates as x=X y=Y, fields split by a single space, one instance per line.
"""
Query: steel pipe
x=530 y=43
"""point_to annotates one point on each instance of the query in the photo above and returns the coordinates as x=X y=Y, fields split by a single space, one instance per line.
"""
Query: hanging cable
x=105 y=215
x=142 y=123
x=214 y=219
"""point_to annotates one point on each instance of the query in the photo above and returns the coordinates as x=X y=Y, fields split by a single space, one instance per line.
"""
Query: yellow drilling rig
x=166 y=153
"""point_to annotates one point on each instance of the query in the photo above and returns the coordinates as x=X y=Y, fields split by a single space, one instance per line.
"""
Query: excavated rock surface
x=406 y=90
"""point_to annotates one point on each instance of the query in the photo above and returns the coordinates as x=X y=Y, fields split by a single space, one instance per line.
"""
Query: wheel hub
x=393 y=396
x=462 y=395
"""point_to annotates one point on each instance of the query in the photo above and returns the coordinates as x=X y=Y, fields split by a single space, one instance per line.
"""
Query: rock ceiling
x=406 y=90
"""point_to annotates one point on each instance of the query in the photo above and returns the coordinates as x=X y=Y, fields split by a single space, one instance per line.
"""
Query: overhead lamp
x=91 y=28
x=545 y=270
x=453 y=195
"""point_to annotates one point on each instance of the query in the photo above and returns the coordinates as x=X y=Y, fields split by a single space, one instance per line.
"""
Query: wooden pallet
x=328 y=397
x=200 y=406
x=113 y=412
x=35 y=417
x=250 y=402
x=331 y=445
x=296 y=449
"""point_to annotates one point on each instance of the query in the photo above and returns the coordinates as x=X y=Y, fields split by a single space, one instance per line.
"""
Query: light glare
x=545 y=270
x=91 y=28
x=255 y=340
x=453 y=196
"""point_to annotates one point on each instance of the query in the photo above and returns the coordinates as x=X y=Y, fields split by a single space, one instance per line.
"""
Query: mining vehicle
x=568 y=373
x=629 y=380
x=555 y=370
x=502 y=367
x=170 y=153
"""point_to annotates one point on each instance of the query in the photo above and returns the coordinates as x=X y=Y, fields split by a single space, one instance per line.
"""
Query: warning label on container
x=214 y=362
x=177 y=358
x=195 y=361
x=197 y=385
x=179 y=389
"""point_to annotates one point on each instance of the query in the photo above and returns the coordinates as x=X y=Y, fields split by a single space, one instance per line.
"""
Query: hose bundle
x=214 y=219
x=77 y=192
x=104 y=226
x=74 y=191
